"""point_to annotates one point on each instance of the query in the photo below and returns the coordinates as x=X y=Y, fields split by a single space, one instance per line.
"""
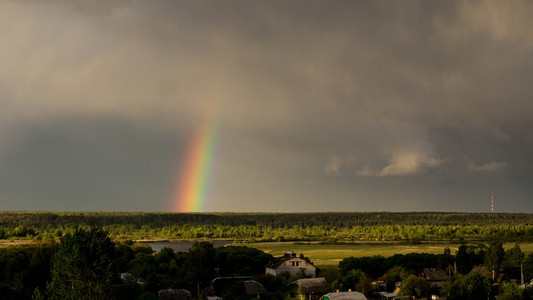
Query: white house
x=290 y=263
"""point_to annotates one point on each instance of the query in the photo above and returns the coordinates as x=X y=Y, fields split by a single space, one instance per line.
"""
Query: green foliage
x=332 y=227
x=331 y=273
x=198 y=269
x=393 y=275
x=512 y=261
x=510 y=291
x=528 y=267
x=494 y=256
x=527 y=293
x=415 y=286
x=376 y=266
x=84 y=267
x=473 y=286
x=23 y=269
x=365 y=286
x=352 y=278
x=469 y=256
x=240 y=261
x=37 y=295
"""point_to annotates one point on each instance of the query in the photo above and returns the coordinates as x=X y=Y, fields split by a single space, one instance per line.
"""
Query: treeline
x=330 y=227
x=338 y=220
x=258 y=233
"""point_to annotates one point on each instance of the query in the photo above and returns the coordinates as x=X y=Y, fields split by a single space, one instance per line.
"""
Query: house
x=311 y=288
x=344 y=296
x=291 y=264
x=483 y=270
x=434 y=277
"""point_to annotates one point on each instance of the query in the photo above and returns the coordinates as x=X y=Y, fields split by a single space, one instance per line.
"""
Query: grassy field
x=323 y=255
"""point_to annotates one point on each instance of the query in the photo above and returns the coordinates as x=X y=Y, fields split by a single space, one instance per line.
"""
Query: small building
x=434 y=277
x=291 y=264
x=483 y=270
x=220 y=284
x=385 y=296
x=311 y=288
x=501 y=278
x=344 y=296
x=253 y=288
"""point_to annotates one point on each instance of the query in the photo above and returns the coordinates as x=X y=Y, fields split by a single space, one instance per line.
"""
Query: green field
x=332 y=254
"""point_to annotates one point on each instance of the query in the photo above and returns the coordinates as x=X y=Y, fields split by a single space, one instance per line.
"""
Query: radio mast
x=492 y=202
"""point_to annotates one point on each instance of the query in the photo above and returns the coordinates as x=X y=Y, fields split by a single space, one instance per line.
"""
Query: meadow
x=323 y=254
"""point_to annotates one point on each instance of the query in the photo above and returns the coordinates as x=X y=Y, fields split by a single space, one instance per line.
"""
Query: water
x=183 y=245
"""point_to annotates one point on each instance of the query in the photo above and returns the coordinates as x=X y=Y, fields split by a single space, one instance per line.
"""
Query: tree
x=478 y=286
x=393 y=275
x=512 y=261
x=365 y=286
x=510 y=291
x=528 y=267
x=415 y=286
x=469 y=256
x=494 y=256
x=351 y=279
x=83 y=267
x=473 y=286
x=198 y=269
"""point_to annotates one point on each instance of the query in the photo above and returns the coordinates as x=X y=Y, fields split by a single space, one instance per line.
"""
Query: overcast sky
x=321 y=105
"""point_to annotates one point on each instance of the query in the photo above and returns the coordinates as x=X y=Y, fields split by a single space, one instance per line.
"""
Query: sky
x=314 y=106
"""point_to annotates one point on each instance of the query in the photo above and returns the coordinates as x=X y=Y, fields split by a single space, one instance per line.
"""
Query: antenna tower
x=492 y=202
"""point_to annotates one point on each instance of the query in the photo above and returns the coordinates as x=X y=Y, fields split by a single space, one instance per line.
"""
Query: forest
x=257 y=227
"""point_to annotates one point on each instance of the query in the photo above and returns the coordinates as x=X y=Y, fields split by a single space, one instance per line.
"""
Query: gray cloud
x=336 y=94
x=490 y=166
x=403 y=163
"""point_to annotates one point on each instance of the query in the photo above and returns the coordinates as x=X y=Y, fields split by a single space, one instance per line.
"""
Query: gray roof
x=278 y=261
x=312 y=285
x=253 y=287
x=483 y=270
x=434 y=274
x=175 y=294
x=344 y=296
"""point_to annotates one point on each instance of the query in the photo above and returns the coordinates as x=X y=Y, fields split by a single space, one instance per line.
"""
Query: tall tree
x=512 y=261
x=84 y=268
x=494 y=256
x=528 y=267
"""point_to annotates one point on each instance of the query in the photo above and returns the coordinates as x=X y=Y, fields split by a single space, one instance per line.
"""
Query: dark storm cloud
x=89 y=164
x=349 y=102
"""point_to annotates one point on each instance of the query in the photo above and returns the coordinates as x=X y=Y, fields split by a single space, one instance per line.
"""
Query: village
x=431 y=283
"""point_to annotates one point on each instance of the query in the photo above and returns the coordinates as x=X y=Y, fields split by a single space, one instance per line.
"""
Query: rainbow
x=192 y=188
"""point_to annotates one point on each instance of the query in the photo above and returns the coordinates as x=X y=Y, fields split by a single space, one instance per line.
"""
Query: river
x=182 y=245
